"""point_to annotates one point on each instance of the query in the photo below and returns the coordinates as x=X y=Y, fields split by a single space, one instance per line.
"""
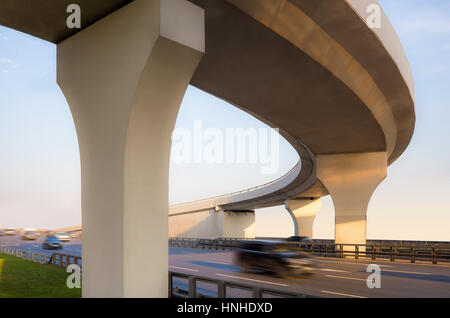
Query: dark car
x=305 y=241
x=277 y=257
x=298 y=239
x=52 y=243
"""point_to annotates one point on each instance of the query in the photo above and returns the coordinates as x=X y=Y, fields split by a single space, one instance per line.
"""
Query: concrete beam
x=200 y=224
x=212 y=224
x=124 y=78
x=303 y=213
x=351 y=180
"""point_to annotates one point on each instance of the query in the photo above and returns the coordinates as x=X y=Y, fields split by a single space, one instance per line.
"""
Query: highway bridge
x=339 y=89
x=347 y=148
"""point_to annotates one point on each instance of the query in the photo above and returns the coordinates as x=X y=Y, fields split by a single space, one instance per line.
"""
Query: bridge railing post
x=391 y=252
x=221 y=289
x=434 y=255
x=192 y=289
x=257 y=292
x=170 y=290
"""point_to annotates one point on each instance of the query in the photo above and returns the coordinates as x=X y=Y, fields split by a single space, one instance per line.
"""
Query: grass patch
x=24 y=278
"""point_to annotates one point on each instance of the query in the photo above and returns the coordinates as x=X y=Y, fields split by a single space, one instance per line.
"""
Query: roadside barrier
x=222 y=288
x=433 y=253
x=32 y=256
x=58 y=259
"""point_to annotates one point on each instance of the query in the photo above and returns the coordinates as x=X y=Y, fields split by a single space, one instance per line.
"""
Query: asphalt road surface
x=72 y=248
x=334 y=277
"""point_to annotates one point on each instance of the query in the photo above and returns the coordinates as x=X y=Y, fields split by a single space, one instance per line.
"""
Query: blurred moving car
x=74 y=234
x=304 y=240
x=30 y=235
x=2 y=233
x=10 y=231
x=52 y=242
x=63 y=237
x=298 y=239
x=281 y=258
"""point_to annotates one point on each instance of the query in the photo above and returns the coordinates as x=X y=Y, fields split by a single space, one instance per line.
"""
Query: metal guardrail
x=211 y=244
x=63 y=260
x=58 y=259
x=412 y=252
x=184 y=242
x=222 y=287
x=408 y=242
x=32 y=256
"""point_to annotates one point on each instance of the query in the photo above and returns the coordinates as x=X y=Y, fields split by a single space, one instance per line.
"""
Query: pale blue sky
x=39 y=164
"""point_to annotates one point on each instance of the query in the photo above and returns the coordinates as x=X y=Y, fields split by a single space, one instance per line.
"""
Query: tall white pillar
x=303 y=213
x=124 y=78
x=351 y=180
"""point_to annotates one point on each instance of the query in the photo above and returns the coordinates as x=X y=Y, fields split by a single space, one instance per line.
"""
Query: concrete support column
x=124 y=78
x=303 y=213
x=351 y=180
x=238 y=224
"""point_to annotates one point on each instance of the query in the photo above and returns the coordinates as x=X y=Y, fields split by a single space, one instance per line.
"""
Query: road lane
x=341 y=294
x=183 y=268
x=346 y=277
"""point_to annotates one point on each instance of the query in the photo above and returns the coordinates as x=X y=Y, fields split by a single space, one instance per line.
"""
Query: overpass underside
x=340 y=92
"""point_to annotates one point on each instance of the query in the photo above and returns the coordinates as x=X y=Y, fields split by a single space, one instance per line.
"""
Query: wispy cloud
x=8 y=64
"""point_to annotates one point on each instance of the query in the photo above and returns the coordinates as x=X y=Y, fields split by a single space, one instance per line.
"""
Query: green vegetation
x=24 y=278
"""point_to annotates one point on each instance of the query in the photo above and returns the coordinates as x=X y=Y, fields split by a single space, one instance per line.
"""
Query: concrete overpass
x=341 y=93
x=363 y=113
